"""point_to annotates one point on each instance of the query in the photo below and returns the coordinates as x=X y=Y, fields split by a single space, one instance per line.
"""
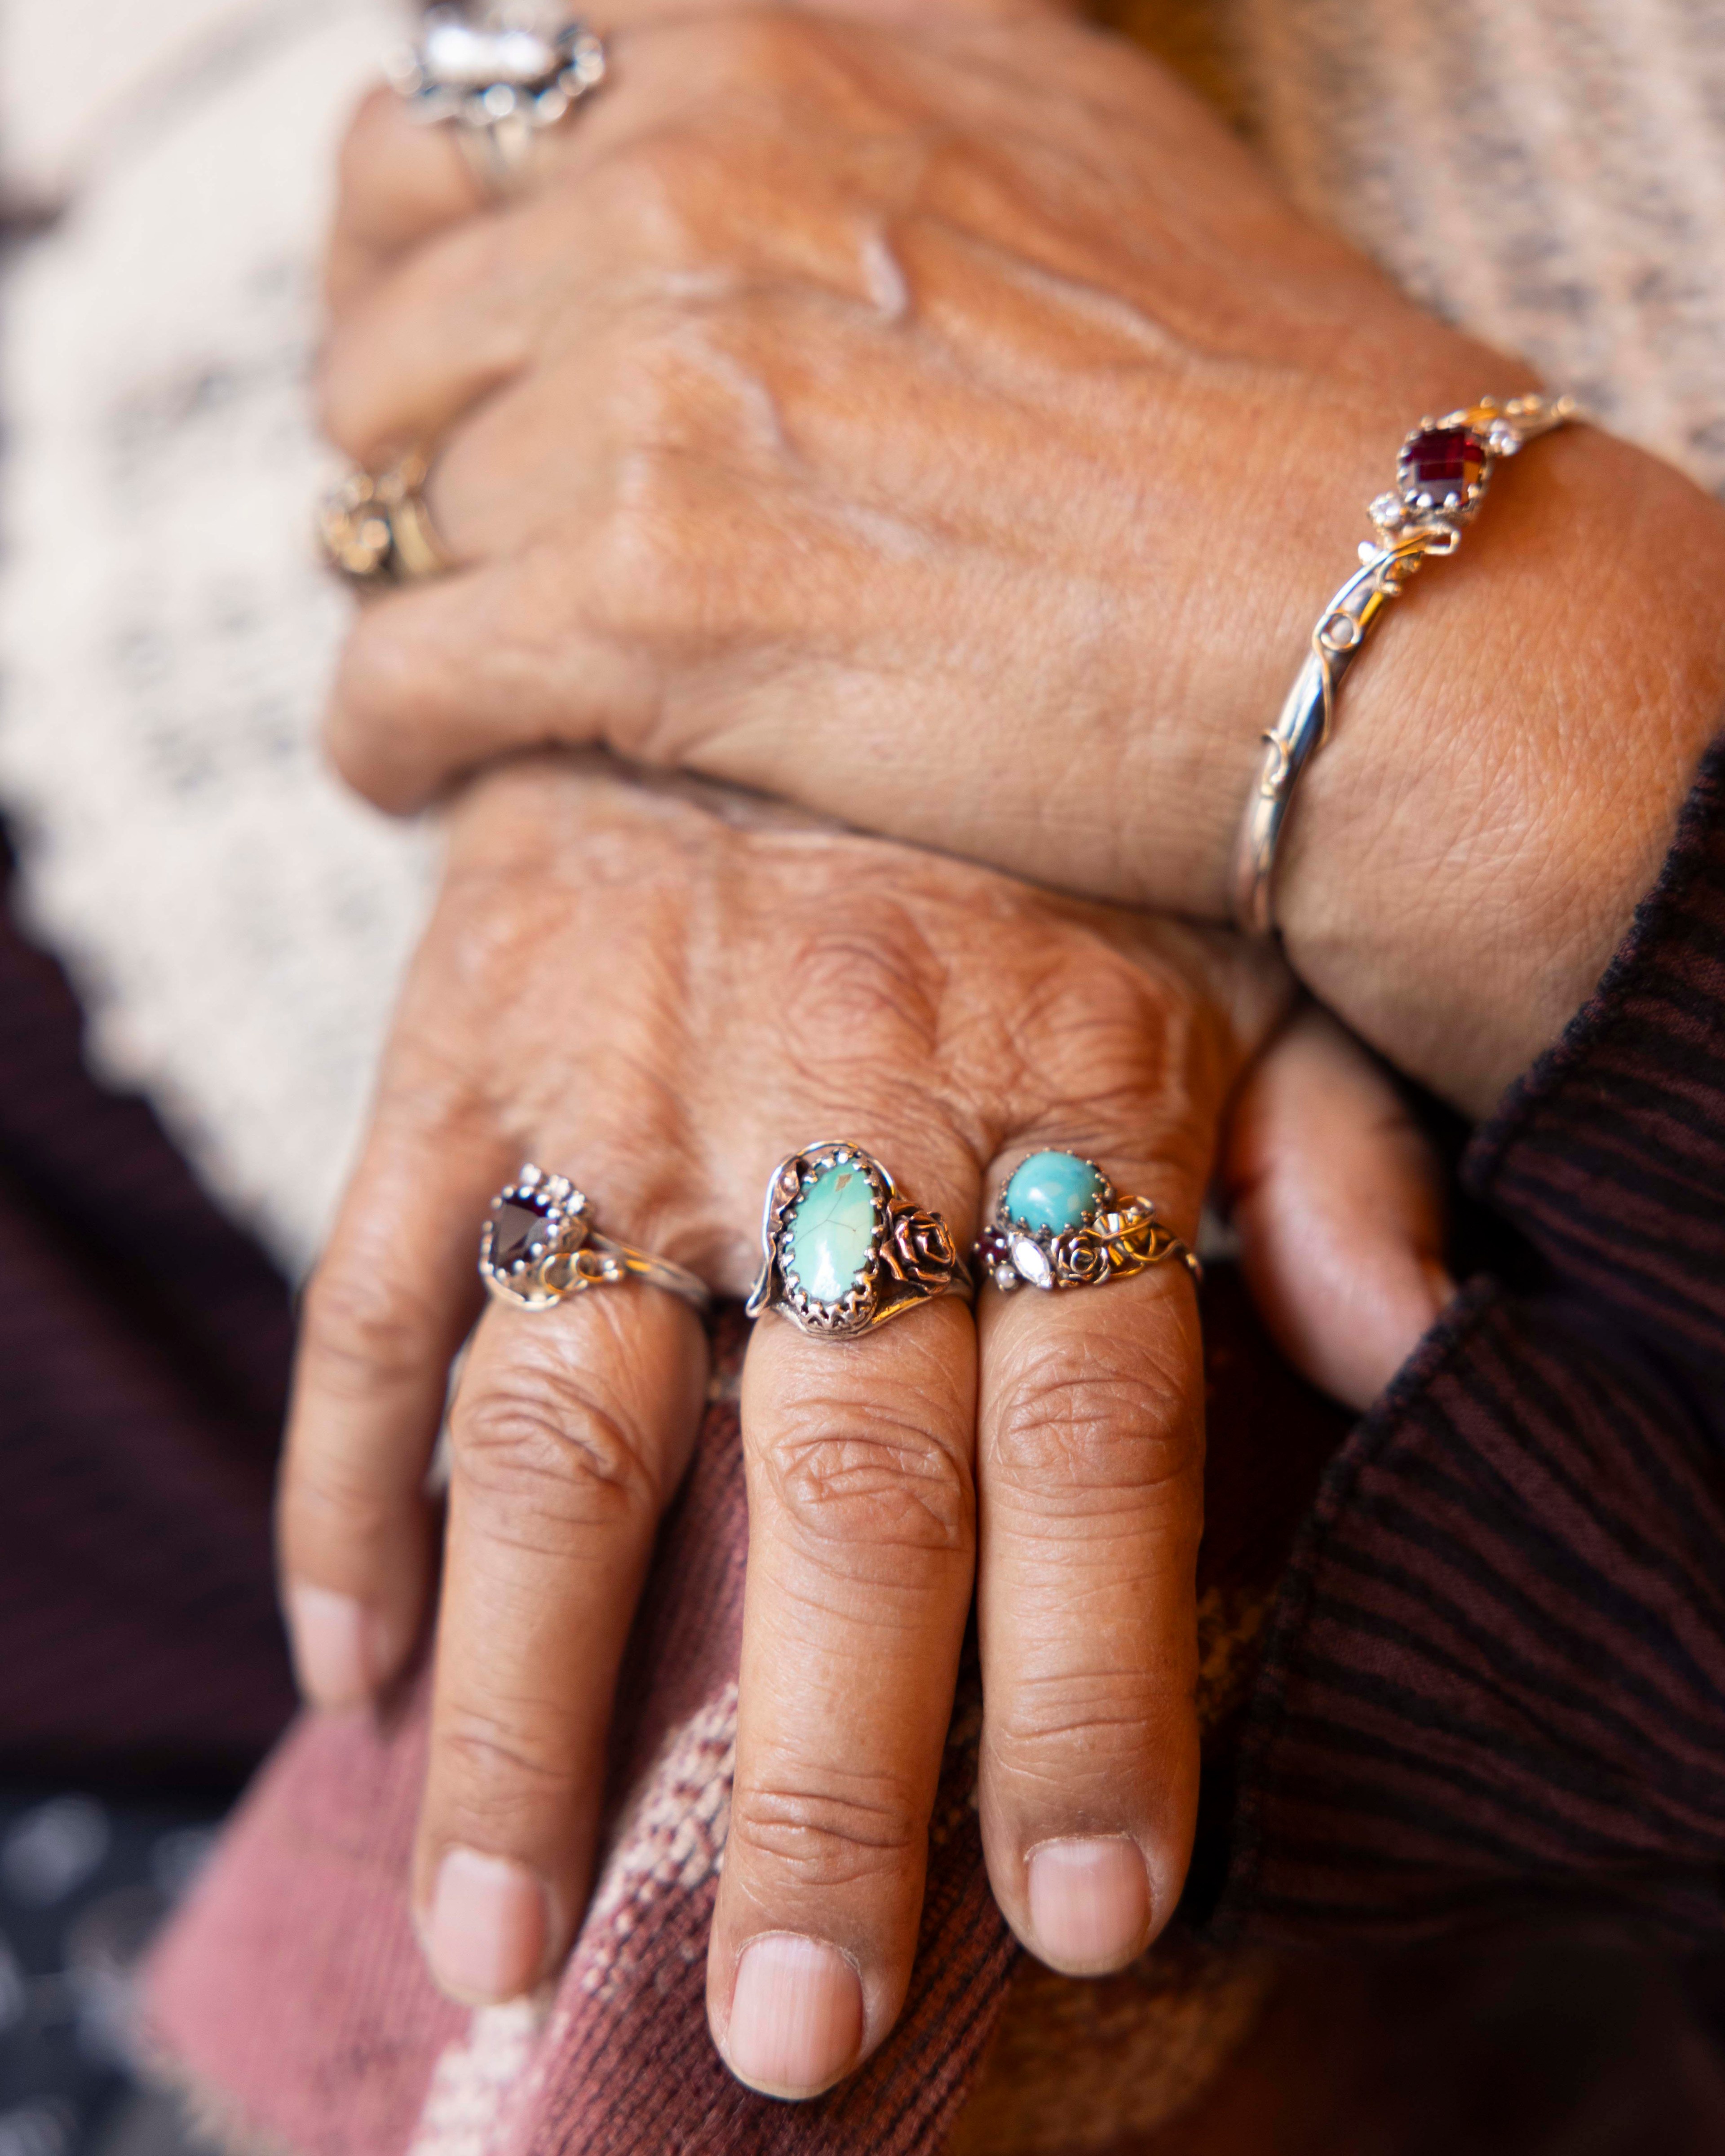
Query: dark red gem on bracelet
x=1442 y=461
x=519 y=1230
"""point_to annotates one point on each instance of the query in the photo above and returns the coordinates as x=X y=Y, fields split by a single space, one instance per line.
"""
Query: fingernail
x=1089 y=1904
x=337 y=1646
x=796 y=2016
x=484 y=1935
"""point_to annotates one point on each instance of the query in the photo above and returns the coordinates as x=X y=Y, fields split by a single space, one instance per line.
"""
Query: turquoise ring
x=1060 y=1222
x=843 y=1251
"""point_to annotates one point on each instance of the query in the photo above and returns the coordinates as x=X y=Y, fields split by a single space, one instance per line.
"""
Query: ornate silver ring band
x=1443 y=469
x=842 y=1250
x=1060 y=1222
x=374 y=529
x=540 y=1246
x=500 y=77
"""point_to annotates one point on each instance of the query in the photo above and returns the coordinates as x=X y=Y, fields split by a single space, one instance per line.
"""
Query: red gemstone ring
x=540 y=1246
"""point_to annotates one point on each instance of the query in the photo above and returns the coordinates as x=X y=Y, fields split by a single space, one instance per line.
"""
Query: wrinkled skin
x=662 y=998
x=948 y=427
x=948 y=424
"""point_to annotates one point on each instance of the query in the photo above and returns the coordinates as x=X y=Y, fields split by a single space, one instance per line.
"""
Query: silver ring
x=842 y=1251
x=500 y=70
x=539 y=1247
x=1060 y=1222
x=1441 y=477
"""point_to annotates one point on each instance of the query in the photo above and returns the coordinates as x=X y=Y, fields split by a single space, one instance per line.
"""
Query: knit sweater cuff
x=1609 y=1153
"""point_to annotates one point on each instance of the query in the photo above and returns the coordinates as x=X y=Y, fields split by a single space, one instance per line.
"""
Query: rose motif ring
x=842 y=1251
x=1060 y=1222
x=500 y=70
x=539 y=1247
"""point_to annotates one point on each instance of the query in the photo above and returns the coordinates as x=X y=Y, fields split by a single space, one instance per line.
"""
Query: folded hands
x=949 y=429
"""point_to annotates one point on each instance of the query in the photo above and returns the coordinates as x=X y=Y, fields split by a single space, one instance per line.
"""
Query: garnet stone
x=520 y=1230
x=1443 y=462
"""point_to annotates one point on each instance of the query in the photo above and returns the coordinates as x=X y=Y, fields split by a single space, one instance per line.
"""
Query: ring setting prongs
x=536 y=1227
x=540 y=1245
x=1060 y=1222
x=500 y=71
x=842 y=1251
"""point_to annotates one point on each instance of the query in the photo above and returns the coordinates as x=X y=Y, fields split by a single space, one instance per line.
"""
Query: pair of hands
x=949 y=427
x=640 y=985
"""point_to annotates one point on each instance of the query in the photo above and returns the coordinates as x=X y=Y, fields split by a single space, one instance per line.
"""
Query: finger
x=859 y=1569
x=570 y=1431
x=1090 y=1498
x=387 y=1308
x=1337 y=1197
x=706 y=165
x=400 y=182
x=438 y=676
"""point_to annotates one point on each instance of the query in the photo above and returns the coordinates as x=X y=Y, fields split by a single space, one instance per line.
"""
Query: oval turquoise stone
x=830 y=1233
x=1054 y=1190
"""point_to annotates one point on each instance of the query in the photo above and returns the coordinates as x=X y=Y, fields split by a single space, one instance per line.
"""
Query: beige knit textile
x=1548 y=173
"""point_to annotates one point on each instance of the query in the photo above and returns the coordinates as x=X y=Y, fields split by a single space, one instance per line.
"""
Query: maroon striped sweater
x=1498 y=1667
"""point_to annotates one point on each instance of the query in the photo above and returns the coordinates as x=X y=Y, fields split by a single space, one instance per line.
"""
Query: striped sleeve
x=1610 y=1155
x=1497 y=1671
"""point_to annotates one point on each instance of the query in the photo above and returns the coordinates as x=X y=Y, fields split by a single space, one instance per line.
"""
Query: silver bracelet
x=1441 y=477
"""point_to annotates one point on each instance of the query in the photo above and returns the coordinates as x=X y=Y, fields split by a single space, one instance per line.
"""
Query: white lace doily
x=235 y=923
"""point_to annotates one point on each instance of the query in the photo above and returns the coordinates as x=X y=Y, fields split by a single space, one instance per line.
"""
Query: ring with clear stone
x=844 y=1250
x=1060 y=1222
x=540 y=1246
x=499 y=71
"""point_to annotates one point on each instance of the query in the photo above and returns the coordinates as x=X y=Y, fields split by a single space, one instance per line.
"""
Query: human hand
x=950 y=425
x=630 y=988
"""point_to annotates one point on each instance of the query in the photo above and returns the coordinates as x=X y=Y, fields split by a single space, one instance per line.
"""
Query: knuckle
x=827 y=1838
x=777 y=60
x=495 y=1752
x=548 y=1453
x=1094 y=1724
x=327 y=1499
x=865 y=972
x=1108 y=1041
x=650 y=191
x=1104 y=1435
x=865 y=1477
x=490 y=934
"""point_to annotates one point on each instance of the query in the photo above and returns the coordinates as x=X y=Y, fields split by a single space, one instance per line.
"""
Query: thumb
x=1337 y=1198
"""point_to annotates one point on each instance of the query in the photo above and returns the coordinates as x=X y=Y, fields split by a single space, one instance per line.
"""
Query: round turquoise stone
x=830 y=1233
x=1054 y=1190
